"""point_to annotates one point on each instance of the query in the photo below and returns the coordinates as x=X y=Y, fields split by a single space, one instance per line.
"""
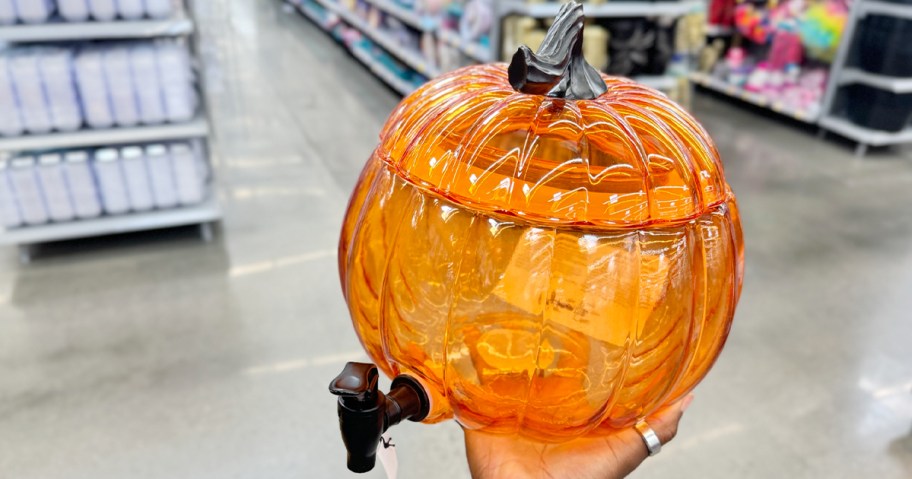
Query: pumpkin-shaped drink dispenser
x=535 y=249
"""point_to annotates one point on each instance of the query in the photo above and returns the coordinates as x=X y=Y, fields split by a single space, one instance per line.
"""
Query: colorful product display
x=406 y=42
x=781 y=50
x=70 y=185
x=546 y=250
x=121 y=84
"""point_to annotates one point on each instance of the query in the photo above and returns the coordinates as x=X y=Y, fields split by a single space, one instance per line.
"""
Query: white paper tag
x=387 y=454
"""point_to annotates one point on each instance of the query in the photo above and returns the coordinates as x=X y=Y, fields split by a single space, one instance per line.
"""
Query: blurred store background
x=173 y=176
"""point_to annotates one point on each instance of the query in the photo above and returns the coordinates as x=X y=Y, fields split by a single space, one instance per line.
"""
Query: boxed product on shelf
x=112 y=84
x=23 y=180
x=130 y=9
x=7 y=12
x=90 y=79
x=82 y=184
x=9 y=209
x=111 y=183
x=103 y=10
x=73 y=10
x=136 y=178
x=56 y=66
x=53 y=187
x=108 y=10
x=176 y=80
x=34 y=11
x=33 y=108
x=10 y=120
x=146 y=81
x=121 y=91
x=161 y=176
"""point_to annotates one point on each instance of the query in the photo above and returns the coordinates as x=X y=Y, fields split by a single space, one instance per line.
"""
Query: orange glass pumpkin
x=546 y=264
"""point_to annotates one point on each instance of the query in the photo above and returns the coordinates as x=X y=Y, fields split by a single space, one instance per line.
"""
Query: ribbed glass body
x=545 y=267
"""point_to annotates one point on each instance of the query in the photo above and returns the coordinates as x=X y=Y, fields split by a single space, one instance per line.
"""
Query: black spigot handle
x=358 y=381
x=361 y=417
x=365 y=413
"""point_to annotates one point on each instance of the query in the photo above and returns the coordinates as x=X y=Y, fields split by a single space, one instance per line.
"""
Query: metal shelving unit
x=202 y=214
x=475 y=50
x=411 y=58
x=197 y=128
x=396 y=83
x=63 y=31
x=891 y=84
x=840 y=75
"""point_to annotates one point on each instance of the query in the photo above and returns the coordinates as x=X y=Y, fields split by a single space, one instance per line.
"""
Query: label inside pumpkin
x=603 y=287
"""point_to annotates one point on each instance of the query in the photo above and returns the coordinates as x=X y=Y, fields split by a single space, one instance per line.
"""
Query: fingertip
x=686 y=402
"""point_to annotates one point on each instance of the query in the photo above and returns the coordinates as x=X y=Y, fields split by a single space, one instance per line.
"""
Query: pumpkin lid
x=564 y=150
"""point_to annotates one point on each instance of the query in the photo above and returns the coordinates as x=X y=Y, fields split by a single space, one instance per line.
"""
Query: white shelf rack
x=841 y=74
x=197 y=128
x=715 y=84
x=897 y=10
x=63 y=31
x=866 y=136
x=202 y=214
x=883 y=82
x=411 y=58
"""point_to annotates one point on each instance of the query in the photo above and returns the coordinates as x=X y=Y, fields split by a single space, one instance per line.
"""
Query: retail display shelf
x=196 y=128
x=61 y=31
x=898 y=10
x=312 y=15
x=864 y=135
x=398 y=84
x=708 y=81
x=893 y=84
x=607 y=10
x=474 y=50
x=202 y=213
x=411 y=58
x=406 y=15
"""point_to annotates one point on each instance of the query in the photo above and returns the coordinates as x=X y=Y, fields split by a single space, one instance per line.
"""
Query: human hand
x=600 y=457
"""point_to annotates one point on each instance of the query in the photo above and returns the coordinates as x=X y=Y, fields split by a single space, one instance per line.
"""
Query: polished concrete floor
x=158 y=356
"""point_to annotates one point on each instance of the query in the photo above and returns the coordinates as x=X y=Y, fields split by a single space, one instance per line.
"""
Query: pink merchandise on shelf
x=758 y=78
x=786 y=50
x=737 y=66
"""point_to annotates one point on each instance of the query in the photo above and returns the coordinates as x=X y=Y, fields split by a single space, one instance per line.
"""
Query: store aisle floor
x=157 y=356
